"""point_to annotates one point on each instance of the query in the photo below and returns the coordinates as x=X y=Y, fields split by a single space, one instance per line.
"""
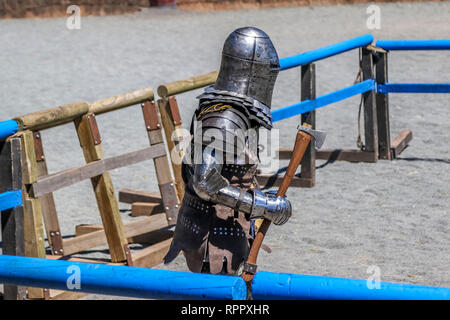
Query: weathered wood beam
x=51 y=221
x=400 y=142
x=370 y=110
x=173 y=88
x=12 y=220
x=166 y=182
x=52 y=117
x=382 y=105
x=103 y=190
x=131 y=196
x=174 y=132
x=97 y=238
x=308 y=92
x=71 y=176
x=121 y=101
x=149 y=237
x=33 y=223
x=152 y=255
x=146 y=208
x=334 y=155
x=270 y=180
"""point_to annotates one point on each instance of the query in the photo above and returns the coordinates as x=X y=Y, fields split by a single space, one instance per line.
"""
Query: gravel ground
x=392 y=214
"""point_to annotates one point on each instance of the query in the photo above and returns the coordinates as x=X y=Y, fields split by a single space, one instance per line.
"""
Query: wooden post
x=370 y=111
x=12 y=223
x=382 y=100
x=162 y=167
x=49 y=214
x=308 y=92
x=90 y=142
x=33 y=224
x=174 y=132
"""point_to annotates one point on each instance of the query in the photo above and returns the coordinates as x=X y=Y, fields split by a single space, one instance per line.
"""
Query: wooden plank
x=346 y=155
x=12 y=220
x=149 y=237
x=52 y=117
x=85 y=260
x=370 y=111
x=334 y=155
x=166 y=183
x=308 y=92
x=152 y=255
x=33 y=223
x=83 y=229
x=66 y=295
x=173 y=88
x=130 y=196
x=71 y=176
x=152 y=237
x=382 y=106
x=121 y=101
x=174 y=132
x=400 y=142
x=98 y=238
x=104 y=194
x=51 y=221
x=270 y=180
x=146 y=208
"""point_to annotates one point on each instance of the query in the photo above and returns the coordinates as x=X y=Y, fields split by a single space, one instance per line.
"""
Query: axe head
x=319 y=136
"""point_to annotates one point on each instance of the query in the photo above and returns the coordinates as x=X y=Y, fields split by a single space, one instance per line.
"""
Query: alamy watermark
x=73 y=22
x=236 y=146
x=373 y=21
x=74 y=280
x=374 y=280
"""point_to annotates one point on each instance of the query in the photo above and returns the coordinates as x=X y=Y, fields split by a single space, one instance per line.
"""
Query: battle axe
x=304 y=134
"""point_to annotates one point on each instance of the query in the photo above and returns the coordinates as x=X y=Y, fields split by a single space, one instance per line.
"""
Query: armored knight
x=215 y=225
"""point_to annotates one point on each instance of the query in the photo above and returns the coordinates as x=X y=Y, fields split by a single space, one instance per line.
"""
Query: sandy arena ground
x=392 y=214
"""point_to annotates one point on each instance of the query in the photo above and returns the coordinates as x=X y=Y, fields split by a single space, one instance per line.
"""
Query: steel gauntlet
x=270 y=206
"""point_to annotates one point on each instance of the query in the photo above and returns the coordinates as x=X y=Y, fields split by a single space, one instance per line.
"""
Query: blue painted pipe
x=284 y=286
x=7 y=128
x=414 y=88
x=10 y=199
x=414 y=44
x=325 y=52
x=321 y=101
x=118 y=280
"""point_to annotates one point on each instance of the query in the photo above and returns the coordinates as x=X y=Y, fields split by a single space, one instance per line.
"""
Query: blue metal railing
x=315 y=55
x=162 y=284
x=414 y=44
x=119 y=280
x=334 y=49
x=402 y=45
x=310 y=105
x=325 y=52
x=7 y=128
x=267 y=285
x=10 y=199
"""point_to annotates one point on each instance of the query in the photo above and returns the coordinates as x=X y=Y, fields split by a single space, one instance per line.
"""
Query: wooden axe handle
x=301 y=144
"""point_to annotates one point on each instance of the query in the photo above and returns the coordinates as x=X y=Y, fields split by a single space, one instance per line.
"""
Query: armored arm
x=210 y=185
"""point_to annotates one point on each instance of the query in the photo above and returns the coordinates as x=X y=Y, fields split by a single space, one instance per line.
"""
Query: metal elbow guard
x=272 y=207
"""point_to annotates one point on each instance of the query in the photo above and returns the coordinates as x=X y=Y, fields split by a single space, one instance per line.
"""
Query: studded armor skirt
x=214 y=233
